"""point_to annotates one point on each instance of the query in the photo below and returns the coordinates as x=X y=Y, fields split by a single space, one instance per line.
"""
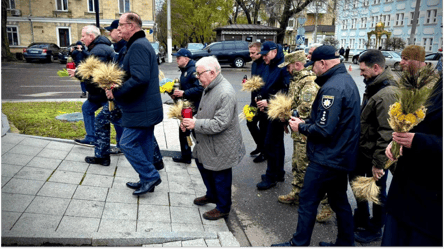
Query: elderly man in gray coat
x=219 y=144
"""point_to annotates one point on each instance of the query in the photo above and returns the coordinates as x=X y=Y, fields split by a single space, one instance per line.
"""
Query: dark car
x=41 y=51
x=234 y=53
x=64 y=53
x=433 y=58
x=160 y=52
x=355 y=57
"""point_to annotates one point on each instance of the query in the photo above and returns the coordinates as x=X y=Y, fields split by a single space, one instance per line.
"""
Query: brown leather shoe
x=203 y=200
x=214 y=214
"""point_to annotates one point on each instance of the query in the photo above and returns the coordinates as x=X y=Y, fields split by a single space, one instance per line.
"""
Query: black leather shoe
x=266 y=184
x=134 y=185
x=84 y=142
x=159 y=165
x=255 y=152
x=180 y=159
x=279 y=180
x=95 y=160
x=260 y=158
x=147 y=187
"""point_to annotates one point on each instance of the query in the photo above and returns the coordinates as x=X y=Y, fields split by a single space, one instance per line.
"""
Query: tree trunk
x=6 y=53
x=287 y=14
x=246 y=11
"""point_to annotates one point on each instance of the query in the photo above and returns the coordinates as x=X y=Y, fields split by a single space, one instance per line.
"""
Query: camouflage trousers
x=299 y=166
x=103 y=132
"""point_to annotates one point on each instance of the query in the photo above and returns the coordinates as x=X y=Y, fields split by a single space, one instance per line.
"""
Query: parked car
x=392 y=59
x=64 y=53
x=160 y=52
x=433 y=59
x=194 y=46
x=355 y=57
x=41 y=51
x=234 y=53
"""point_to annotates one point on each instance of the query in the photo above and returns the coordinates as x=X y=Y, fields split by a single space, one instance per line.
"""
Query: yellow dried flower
x=420 y=113
x=167 y=87
x=410 y=118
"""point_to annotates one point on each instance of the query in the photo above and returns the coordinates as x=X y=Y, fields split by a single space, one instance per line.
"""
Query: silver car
x=392 y=59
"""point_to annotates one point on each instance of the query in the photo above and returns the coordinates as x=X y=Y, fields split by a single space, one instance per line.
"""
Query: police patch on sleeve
x=324 y=116
x=327 y=101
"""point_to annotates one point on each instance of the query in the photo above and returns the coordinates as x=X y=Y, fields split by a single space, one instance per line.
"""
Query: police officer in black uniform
x=190 y=90
x=332 y=146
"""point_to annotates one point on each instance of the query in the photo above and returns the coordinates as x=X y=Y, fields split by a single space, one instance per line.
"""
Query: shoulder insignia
x=327 y=101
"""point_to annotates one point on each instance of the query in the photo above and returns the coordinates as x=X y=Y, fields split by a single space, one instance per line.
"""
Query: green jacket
x=376 y=133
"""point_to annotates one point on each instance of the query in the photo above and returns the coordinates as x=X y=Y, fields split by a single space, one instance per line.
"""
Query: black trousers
x=184 y=147
x=257 y=128
x=397 y=233
x=275 y=150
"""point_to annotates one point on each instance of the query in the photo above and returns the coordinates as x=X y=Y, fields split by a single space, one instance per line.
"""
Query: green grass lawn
x=39 y=119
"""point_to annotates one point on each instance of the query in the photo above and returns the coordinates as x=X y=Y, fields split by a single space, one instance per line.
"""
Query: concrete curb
x=111 y=239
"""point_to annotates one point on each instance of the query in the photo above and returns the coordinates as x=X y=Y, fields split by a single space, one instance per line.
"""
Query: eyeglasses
x=197 y=75
x=123 y=23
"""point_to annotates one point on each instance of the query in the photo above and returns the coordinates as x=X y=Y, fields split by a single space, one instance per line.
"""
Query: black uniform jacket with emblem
x=333 y=127
x=190 y=85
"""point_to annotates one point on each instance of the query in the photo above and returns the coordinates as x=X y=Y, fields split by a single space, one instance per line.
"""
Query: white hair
x=91 y=29
x=209 y=63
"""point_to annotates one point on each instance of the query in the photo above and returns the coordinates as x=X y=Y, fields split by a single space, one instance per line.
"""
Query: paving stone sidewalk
x=51 y=196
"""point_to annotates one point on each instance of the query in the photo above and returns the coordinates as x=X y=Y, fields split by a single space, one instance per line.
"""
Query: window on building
x=431 y=16
x=91 y=7
x=355 y=4
x=374 y=21
x=386 y=20
x=352 y=43
x=11 y=5
x=376 y=1
x=63 y=37
x=400 y=19
x=62 y=5
x=13 y=36
x=364 y=22
x=365 y=3
x=353 y=24
x=427 y=43
x=411 y=18
x=124 y=6
x=291 y=23
x=344 y=24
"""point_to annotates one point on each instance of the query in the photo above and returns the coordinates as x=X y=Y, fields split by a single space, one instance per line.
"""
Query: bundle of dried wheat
x=280 y=107
x=253 y=84
x=86 y=67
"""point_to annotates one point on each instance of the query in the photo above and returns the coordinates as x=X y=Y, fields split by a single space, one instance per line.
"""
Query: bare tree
x=394 y=43
x=331 y=41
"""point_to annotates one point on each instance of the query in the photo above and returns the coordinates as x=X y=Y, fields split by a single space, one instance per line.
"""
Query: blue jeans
x=318 y=181
x=137 y=145
x=218 y=185
x=88 y=110
x=83 y=87
x=103 y=130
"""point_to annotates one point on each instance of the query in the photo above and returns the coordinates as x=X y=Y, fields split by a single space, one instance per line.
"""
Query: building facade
x=358 y=17
x=61 y=21
x=317 y=16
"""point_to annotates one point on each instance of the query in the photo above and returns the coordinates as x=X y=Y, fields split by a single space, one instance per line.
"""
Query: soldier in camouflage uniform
x=304 y=90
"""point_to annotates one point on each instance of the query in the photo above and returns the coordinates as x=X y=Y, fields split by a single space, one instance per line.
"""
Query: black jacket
x=415 y=195
x=139 y=96
x=276 y=79
x=119 y=47
x=333 y=127
x=100 y=48
x=257 y=68
x=190 y=85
